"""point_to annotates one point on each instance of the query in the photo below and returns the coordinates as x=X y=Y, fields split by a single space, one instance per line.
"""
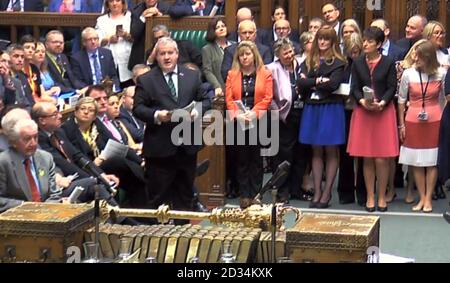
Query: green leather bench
x=197 y=37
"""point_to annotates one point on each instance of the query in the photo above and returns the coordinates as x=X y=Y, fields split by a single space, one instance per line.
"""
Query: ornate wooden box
x=42 y=232
x=331 y=238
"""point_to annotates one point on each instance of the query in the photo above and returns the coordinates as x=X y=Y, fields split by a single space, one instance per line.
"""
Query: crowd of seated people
x=351 y=102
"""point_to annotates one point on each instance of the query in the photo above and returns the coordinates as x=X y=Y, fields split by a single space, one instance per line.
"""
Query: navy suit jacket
x=81 y=66
x=153 y=94
x=127 y=118
x=29 y=5
x=264 y=51
x=68 y=167
x=69 y=82
x=183 y=8
x=406 y=43
x=137 y=30
x=395 y=52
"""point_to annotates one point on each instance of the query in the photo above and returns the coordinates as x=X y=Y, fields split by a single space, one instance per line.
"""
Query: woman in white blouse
x=114 y=31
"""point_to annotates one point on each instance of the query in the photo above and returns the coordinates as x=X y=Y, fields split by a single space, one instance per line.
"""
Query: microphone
x=90 y=167
x=277 y=179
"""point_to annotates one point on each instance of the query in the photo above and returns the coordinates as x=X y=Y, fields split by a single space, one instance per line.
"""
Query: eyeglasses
x=84 y=109
x=53 y=115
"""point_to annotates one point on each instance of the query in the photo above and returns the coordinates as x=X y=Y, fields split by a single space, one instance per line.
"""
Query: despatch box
x=331 y=238
x=42 y=232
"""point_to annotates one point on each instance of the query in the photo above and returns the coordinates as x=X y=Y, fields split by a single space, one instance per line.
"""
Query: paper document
x=187 y=108
x=344 y=89
x=369 y=94
x=244 y=126
x=114 y=149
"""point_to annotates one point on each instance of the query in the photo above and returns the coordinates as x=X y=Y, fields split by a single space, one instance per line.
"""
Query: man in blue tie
x=170 y=165
x=94 y=63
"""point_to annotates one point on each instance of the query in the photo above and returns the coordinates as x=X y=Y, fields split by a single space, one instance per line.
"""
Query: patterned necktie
x=98 y=72
x=35 y=194
x=57 y=144
x=173 y=90
x=62 y=70
x=17 y=6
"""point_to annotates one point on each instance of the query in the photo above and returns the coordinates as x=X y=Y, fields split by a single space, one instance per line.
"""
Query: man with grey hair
x=187 y=51
x=170 y=165
x=8 y=121
x=413 y=32
x=247 y=31
x=26 y=172
x=93 y=63
x=245 y=14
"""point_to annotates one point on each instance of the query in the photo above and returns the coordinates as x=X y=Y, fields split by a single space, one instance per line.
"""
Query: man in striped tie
x=170 y=165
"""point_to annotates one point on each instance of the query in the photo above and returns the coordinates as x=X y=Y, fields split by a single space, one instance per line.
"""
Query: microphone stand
x=273 y=223
x=97 y=216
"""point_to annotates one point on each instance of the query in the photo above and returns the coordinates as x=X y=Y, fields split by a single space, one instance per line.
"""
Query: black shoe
x=202 y=167
x=323 y=205
x=447 y=216
x=382 y=208
x=200 y=207
x=370 y=209
x=313 y=204
x=440 y=194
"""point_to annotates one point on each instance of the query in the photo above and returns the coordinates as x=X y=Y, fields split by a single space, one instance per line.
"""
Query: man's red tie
x=35 y=194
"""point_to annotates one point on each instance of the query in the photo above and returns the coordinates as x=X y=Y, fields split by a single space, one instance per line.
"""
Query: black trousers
x=89 y=191
x=169 y=180
x=295 y=153
x=346 y=185
x=132 y=180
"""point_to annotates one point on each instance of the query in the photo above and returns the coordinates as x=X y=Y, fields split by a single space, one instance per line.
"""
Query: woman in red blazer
x=249 y=82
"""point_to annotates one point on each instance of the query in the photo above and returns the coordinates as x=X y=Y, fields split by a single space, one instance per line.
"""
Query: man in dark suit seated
x=94 y=63
x=66 y=156
x=413 y=32
x=143 y=10
x=389 y=48
x=184 y=8
x=24 y=93
x=132 y=123
x=26 y=172
x=188 y=52
x=171 y=165
x=247 y=31
x=59 y=67
x=7 y=89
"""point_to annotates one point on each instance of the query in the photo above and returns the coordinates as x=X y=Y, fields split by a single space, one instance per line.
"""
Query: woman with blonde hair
x=435 y=32
x=323 y=118
x=251 y=83
x=423 y=87
x=349 y=27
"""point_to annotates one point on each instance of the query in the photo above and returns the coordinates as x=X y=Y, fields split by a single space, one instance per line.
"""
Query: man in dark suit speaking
x=170 y=166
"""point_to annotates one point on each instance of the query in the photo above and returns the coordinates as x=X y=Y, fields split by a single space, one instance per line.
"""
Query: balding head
x=415 y=26
x=383 y=25
x=282 y=28
x=244 y=14
x=247 y=30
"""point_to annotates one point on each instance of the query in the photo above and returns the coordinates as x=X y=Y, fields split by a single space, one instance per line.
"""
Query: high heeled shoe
x=382 y=208
x=322 y=205
x=313 y=204
x=417 y=207
x=370 y=208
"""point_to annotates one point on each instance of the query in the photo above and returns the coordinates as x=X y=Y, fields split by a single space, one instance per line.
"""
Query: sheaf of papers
x=114 y=149
x=344 y=89
x=241 y=107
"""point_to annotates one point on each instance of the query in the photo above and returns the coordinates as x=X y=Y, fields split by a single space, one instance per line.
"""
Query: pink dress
x=373 y=134
x=420 y=148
